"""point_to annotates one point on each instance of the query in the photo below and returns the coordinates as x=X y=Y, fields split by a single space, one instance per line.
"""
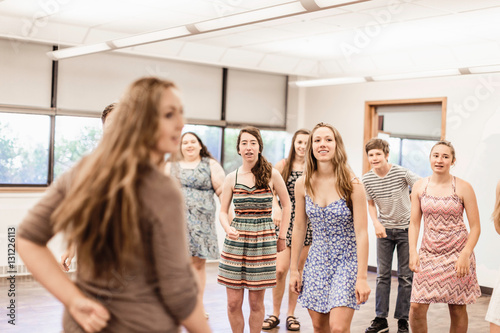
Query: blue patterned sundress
x=200 y=209
x=330 y=273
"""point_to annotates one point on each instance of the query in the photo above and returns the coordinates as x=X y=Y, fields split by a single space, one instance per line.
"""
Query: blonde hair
x=341 y=168
x=100 y=213
x=447 y=144
x=287 y=170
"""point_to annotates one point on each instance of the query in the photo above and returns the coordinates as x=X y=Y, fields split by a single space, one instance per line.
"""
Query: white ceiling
x=363 y=39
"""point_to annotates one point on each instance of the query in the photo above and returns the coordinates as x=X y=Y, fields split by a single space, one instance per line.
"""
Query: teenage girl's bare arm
x=298 y=235
x=360 y=218
x=414 y=228
x=277 y=214
x=217 y=176
x=226 y=197
x=286 y=206
x=496 y=219
x=466 y=192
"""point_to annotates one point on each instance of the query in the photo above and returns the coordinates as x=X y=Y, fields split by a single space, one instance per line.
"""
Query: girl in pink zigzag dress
x=445 y=267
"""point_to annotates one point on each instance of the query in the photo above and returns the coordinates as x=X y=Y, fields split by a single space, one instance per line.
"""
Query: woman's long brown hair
x=100 y=213
x=262 y=170
x=287 y=170
x=341 y=169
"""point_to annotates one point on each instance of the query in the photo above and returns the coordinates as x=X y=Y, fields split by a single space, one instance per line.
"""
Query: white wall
x=473 y=126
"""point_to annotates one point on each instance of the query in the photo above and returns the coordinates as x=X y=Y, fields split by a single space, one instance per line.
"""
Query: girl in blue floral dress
x=201 y=177
x=334 y=279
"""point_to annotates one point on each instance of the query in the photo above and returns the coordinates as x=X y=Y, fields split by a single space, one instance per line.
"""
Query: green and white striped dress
x=250 y=261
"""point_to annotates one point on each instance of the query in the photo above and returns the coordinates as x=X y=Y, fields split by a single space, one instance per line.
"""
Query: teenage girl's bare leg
x=234 y=309
x=320 y=321
x=418 y=317
x=494 y=328
x=257 y=312
x=282 y=267
x=292 y=297
x=459 y=318
x=199 y=267
x=340 y=319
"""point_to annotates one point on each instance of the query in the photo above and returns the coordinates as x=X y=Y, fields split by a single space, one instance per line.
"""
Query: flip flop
x=292 y=320
x=272 y=321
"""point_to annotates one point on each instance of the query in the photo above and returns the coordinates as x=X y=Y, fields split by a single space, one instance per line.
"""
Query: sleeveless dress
x=250 y=261
x=200 y=209
x=445 y=235
x=290 y=186
x=330 y=273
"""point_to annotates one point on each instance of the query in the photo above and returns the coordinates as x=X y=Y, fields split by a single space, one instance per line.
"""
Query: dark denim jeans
x=385 y=251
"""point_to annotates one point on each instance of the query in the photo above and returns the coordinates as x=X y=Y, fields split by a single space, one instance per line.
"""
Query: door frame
x=371 y=118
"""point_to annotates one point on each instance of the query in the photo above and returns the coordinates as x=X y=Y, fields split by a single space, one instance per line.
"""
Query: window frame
x=371 y=128
x=54 y=111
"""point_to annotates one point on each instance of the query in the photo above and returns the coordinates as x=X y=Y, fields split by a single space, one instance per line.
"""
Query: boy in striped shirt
x=387 y=188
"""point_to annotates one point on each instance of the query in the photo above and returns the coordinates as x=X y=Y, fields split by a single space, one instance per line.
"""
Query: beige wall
x=473 y=126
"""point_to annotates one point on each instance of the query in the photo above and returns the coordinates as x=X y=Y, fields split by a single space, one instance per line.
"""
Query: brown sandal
x=272 y=321
x=292 y=320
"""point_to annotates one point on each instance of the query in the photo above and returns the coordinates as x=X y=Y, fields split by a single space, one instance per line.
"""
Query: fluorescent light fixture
x=336 y=3
x=416 y=75
x=150 y=37
x=484 y=69
x=78 y=51
x=328 y=82
x=251 y=16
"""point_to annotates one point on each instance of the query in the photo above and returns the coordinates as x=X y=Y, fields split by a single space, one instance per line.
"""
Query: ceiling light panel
x=153 y=20
x=94 y=13
x=401 y=12
x=78 y=51
x=151 y=37
x=251 y=16
x=484 y=69
x=416 y=75
x=329 y=81
x=459 y=6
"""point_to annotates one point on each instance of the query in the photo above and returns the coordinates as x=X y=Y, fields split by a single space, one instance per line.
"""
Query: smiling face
x=171 y=122
x=441 y=159
x=300 y=144
x=248 y=147
x=190 y=146
x=377 y=158
x=323 y=144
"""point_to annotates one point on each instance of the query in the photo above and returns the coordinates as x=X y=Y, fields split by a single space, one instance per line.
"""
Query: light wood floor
x=38 y=311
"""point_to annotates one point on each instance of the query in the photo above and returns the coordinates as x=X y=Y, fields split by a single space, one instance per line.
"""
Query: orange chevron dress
x=250 y=261
x=445 y=235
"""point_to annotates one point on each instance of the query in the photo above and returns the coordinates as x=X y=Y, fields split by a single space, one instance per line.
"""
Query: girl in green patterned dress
x=248 y=258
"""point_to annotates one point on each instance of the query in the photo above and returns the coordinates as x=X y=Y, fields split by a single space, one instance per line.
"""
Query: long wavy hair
x=262 y=170
x=100 y=213
x=341 y=168
x=287 y=170
x=204 y=150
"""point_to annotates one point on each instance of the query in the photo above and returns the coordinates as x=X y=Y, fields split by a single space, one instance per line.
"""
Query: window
x=211 y=137
x=411 y=153
x=75 y=137
x=411 y=127
x=274 y=147
x=24 y=149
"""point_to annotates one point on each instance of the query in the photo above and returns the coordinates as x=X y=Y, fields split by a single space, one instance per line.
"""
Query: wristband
x=282 y=238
